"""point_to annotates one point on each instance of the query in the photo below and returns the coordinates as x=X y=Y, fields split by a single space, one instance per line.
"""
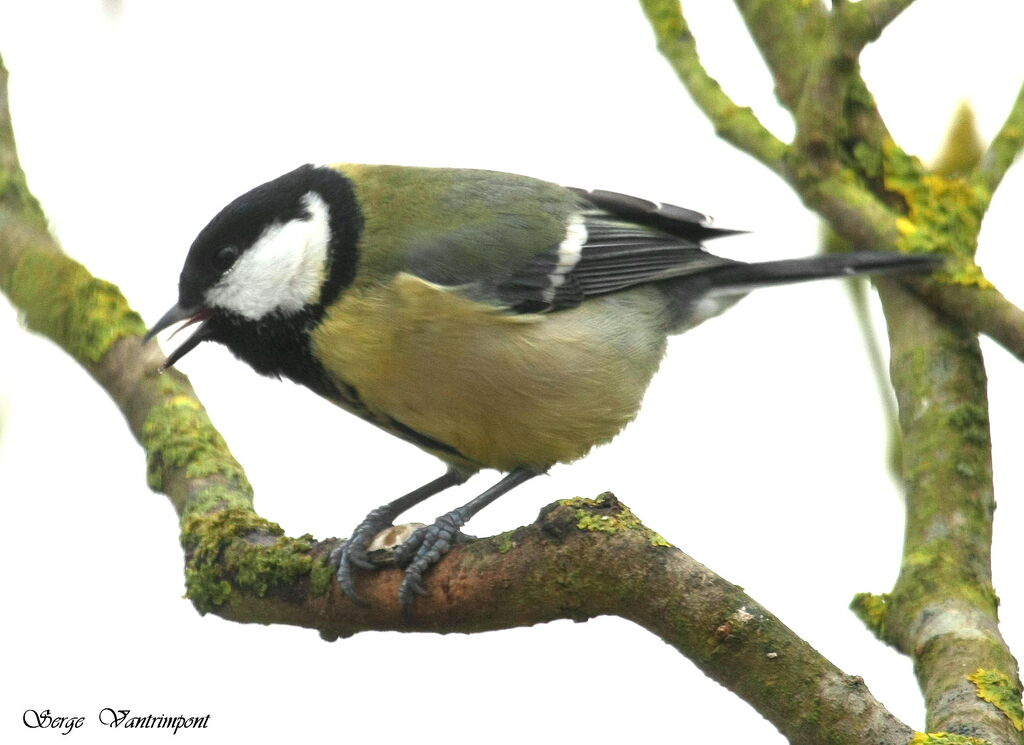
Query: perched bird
x=494 y=320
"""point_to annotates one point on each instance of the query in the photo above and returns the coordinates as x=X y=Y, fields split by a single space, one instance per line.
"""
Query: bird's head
x=273 y=253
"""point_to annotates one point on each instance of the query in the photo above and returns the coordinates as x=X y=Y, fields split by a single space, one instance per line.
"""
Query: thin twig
x=981 y=309
x=864 y=21
x=1004 y=149
x=14 y=192
x=733 y=123
x=858 y=293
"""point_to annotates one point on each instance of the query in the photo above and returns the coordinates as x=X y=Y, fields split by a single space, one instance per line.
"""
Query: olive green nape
x=453 y=226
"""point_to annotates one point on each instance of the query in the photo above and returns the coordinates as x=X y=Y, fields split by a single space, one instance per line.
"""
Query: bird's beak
x=173 y=316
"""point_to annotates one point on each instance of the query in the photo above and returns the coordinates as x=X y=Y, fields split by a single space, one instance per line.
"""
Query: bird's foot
x=355 y=552
x=423 y=549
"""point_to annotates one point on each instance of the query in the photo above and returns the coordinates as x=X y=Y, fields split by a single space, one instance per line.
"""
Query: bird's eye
x=225 y=257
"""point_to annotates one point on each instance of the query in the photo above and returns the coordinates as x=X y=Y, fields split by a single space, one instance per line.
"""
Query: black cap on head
x=236 y=227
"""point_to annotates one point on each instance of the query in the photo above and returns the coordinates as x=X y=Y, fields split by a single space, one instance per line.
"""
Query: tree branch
x=733 y=123
x=942 y=611
x=864 y=21
x=981 y=309
x=1004 y=149
x=845 y=166
x=786 y=33
x=14 y=191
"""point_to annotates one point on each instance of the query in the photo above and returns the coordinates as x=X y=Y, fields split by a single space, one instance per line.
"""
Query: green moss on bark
x=871 y=610
x=608 y=515
x=178 y=433
x=1002 y=692
x=234 y=551
x=943 y=214
x=14 y=192
x=945 y=738
x=62 y=300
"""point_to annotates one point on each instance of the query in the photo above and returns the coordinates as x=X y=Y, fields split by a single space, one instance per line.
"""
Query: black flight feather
x=668 y=218
x=630 y=241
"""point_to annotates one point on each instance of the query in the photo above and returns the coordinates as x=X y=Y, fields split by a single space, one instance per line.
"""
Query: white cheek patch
x=282 y=271
x=570 y=250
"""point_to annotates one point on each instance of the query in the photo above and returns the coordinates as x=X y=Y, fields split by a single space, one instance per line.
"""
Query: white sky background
x=760 y=451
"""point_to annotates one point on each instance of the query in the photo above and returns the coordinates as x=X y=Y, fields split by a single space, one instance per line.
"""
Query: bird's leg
x=354 y=551
x=426 y=546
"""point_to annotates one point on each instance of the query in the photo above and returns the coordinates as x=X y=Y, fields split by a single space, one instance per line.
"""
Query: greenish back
x=454 y=226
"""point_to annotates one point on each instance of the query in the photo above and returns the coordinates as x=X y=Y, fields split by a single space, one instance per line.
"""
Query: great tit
x=494 y=320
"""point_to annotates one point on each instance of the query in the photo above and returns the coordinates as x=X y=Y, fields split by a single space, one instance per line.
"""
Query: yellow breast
x=503 y=390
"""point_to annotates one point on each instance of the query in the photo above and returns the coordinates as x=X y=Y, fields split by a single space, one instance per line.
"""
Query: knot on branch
x=605 y=514
x=232 y=552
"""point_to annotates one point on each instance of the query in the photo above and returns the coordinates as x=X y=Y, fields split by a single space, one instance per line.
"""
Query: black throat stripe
x=424 y=441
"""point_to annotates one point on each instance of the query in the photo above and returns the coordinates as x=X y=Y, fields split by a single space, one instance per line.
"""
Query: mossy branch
x=787 y=33
x=91 y=320
x=1004 y=149
x=864 y=21
x=943 y=608
x=733 y=123
x=14 y=192
x=981 y=309
x=979 y=306
x=844 y=165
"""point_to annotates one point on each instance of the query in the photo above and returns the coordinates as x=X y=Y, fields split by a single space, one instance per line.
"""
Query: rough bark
x=845 y=166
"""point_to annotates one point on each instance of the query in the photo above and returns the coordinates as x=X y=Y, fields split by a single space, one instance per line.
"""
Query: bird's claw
x=417 y=554
x=355 y=551
x=422 y=550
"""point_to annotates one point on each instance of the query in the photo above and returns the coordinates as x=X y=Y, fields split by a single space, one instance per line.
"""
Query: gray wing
x=614 y=242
